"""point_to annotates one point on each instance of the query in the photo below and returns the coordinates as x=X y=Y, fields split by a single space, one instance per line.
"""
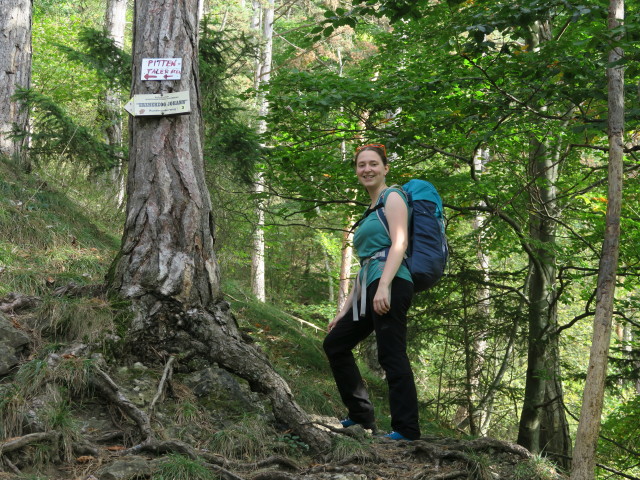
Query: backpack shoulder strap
x=365 y=215
x=380 y=205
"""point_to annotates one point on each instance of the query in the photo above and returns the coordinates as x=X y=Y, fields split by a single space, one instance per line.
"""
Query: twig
x=166 y=375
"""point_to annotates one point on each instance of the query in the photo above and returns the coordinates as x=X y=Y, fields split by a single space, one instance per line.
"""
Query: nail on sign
x=161 y=69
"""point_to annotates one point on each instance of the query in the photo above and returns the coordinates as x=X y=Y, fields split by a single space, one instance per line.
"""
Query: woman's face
x=370 y=169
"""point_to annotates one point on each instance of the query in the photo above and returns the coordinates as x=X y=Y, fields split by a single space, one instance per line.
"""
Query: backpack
x=427 y=254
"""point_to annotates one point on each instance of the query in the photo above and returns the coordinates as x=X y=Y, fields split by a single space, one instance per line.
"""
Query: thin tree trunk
x=263 y=77
x=114 y=26
x=15 y=71
x=584 y=457
x=483 y=293
x=345 y=269
x=543 y=424
x=166 y=265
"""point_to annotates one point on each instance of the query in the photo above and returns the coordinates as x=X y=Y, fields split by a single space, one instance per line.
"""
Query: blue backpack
x=427 y=254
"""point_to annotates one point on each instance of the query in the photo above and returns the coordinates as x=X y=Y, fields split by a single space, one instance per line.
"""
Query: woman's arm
x=397 y=216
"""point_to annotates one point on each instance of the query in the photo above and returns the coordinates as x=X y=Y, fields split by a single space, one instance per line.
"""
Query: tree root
x=18 y=443
x=10 y=464
x=21 y=442
x=105 y=385
x=429 y=474
x=15 y=302
x=274 y=476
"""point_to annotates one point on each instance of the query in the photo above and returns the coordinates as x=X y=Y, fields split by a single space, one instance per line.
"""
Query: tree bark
x=15 y=71
x=166 y=265
x=584 y=458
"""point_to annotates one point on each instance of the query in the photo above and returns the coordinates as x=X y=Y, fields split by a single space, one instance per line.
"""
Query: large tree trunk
x=166 y=265
x=584 y=458
x=15 y=71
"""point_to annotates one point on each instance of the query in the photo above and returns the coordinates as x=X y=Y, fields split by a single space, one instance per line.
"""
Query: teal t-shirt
x=370 y=238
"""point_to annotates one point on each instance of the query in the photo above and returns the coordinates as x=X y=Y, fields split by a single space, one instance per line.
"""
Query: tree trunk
x=477 y=416
x=114 y=26
x=263 y=76
x=166 y=265
x=345 y=268
x=584 y=458
x=543 y=424
x=15 y=71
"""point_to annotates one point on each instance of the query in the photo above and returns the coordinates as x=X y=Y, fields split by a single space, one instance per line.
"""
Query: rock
x=139 y=366
x=127 y=468
x=13 y=343
x=214 y=380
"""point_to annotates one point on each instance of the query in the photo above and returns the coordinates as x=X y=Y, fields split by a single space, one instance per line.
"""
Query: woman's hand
x=382 y=300
x=332 y=323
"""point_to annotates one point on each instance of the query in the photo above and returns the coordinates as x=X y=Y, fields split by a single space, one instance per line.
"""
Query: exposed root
x=105 y=385
x=481 y=444
x=274 y=476
x=222 y=472
x=15 y=302
x=13 y=468
x=429 y=474
x=72 y=289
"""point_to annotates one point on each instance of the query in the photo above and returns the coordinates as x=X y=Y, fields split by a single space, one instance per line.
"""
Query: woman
x=379 y=301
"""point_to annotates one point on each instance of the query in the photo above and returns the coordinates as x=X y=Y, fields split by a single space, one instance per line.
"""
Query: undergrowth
x=46 y=238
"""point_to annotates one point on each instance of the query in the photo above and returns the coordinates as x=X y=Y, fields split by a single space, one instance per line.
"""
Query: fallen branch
x=166 y=376
x=21 y=442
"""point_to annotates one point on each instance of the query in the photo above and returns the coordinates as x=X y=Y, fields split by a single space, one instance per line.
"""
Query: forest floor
x=207 y=425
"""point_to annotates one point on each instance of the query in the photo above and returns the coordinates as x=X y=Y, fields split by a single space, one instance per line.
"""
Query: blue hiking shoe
x=347 y=422
x=396 y=436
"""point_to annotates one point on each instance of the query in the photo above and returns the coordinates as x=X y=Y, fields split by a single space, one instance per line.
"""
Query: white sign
x=161 y=69
x=156 y=105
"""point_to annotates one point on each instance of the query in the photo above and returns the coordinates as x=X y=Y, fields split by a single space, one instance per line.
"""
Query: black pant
x=391 y=337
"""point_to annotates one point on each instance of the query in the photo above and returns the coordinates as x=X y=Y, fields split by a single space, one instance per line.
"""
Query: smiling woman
x=378 y=301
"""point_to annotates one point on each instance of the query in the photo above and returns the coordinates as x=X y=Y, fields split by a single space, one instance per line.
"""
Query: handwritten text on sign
x=154 y=105
x=161 y=69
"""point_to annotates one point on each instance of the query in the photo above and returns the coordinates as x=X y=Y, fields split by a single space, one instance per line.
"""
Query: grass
x=250 y=437
x=46 y=239
x=75 y=319
x=535 y=468
x=346 y=447
x=179 y=467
